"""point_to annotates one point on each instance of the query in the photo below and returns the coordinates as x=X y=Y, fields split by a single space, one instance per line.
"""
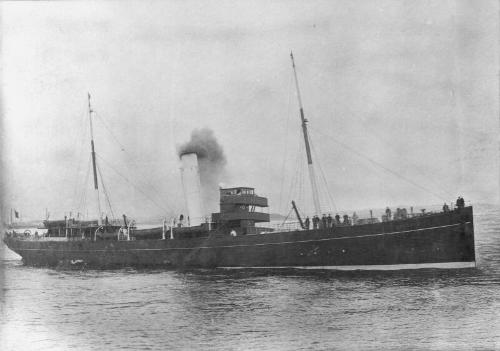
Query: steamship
x=239 y=235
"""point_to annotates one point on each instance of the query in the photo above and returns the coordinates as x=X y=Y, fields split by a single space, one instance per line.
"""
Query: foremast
x=312 y=175
x=96 y=185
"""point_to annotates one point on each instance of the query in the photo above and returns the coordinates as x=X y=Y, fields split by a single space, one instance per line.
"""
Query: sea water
x=50 y=309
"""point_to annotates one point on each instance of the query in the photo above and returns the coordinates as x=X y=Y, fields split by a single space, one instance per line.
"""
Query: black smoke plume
x=211 y=161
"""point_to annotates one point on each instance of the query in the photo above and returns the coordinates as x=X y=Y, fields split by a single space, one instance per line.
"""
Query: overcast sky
x=402 y=99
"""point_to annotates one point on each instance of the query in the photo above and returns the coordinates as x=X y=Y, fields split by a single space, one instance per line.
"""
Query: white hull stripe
x=246 y=245
x=375 y=267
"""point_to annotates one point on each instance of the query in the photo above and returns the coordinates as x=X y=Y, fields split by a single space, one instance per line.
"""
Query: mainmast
x=96 y=186
x=312 y=176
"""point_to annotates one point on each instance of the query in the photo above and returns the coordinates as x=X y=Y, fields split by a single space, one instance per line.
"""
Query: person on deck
x=337 y=219
x=404 y=213
x=445 y=207
x=323 y=221
x=388 y=213
x=307 y=223
x=329 y=221
x=346 y=220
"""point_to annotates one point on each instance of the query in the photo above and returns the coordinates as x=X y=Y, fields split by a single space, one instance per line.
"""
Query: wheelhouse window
x=238 y=191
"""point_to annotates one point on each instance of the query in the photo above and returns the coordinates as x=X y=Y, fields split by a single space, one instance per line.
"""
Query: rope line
x=380 y=165
x=83 y=199
x=106 y=193
x=131 y=159
x=80 y=160
x=109 y=130
x=288 y=215
x=328 y=193
x=374 y=135
x=295 y=183
x=134 y=186
x=286 y=142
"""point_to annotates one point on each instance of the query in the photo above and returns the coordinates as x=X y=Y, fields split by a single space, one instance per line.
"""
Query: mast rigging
x=312 y=176
x=96 y=186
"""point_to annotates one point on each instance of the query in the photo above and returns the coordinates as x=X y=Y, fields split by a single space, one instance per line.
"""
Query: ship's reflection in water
x=252 y=309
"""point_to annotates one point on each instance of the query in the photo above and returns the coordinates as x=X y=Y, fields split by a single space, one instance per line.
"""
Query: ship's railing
x=378 y=215
x=31 y=237
x=279 y=227
x=363 y=218
x=50 y=238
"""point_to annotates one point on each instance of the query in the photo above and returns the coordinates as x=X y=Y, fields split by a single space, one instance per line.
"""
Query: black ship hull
x=444 y=240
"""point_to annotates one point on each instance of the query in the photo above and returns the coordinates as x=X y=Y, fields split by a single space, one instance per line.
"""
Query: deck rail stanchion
x=95 y=233
x=163 y=229
x=130 y=224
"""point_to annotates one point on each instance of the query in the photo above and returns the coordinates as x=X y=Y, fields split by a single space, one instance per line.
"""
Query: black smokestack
x=211 y=161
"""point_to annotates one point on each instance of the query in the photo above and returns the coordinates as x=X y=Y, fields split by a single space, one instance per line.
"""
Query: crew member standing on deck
x=346 y=220
x=307 y=223
x=388 y=213
x=315 y=222
x=329 y=221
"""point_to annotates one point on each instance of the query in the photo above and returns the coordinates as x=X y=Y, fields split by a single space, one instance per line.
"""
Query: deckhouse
x=240 y=209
